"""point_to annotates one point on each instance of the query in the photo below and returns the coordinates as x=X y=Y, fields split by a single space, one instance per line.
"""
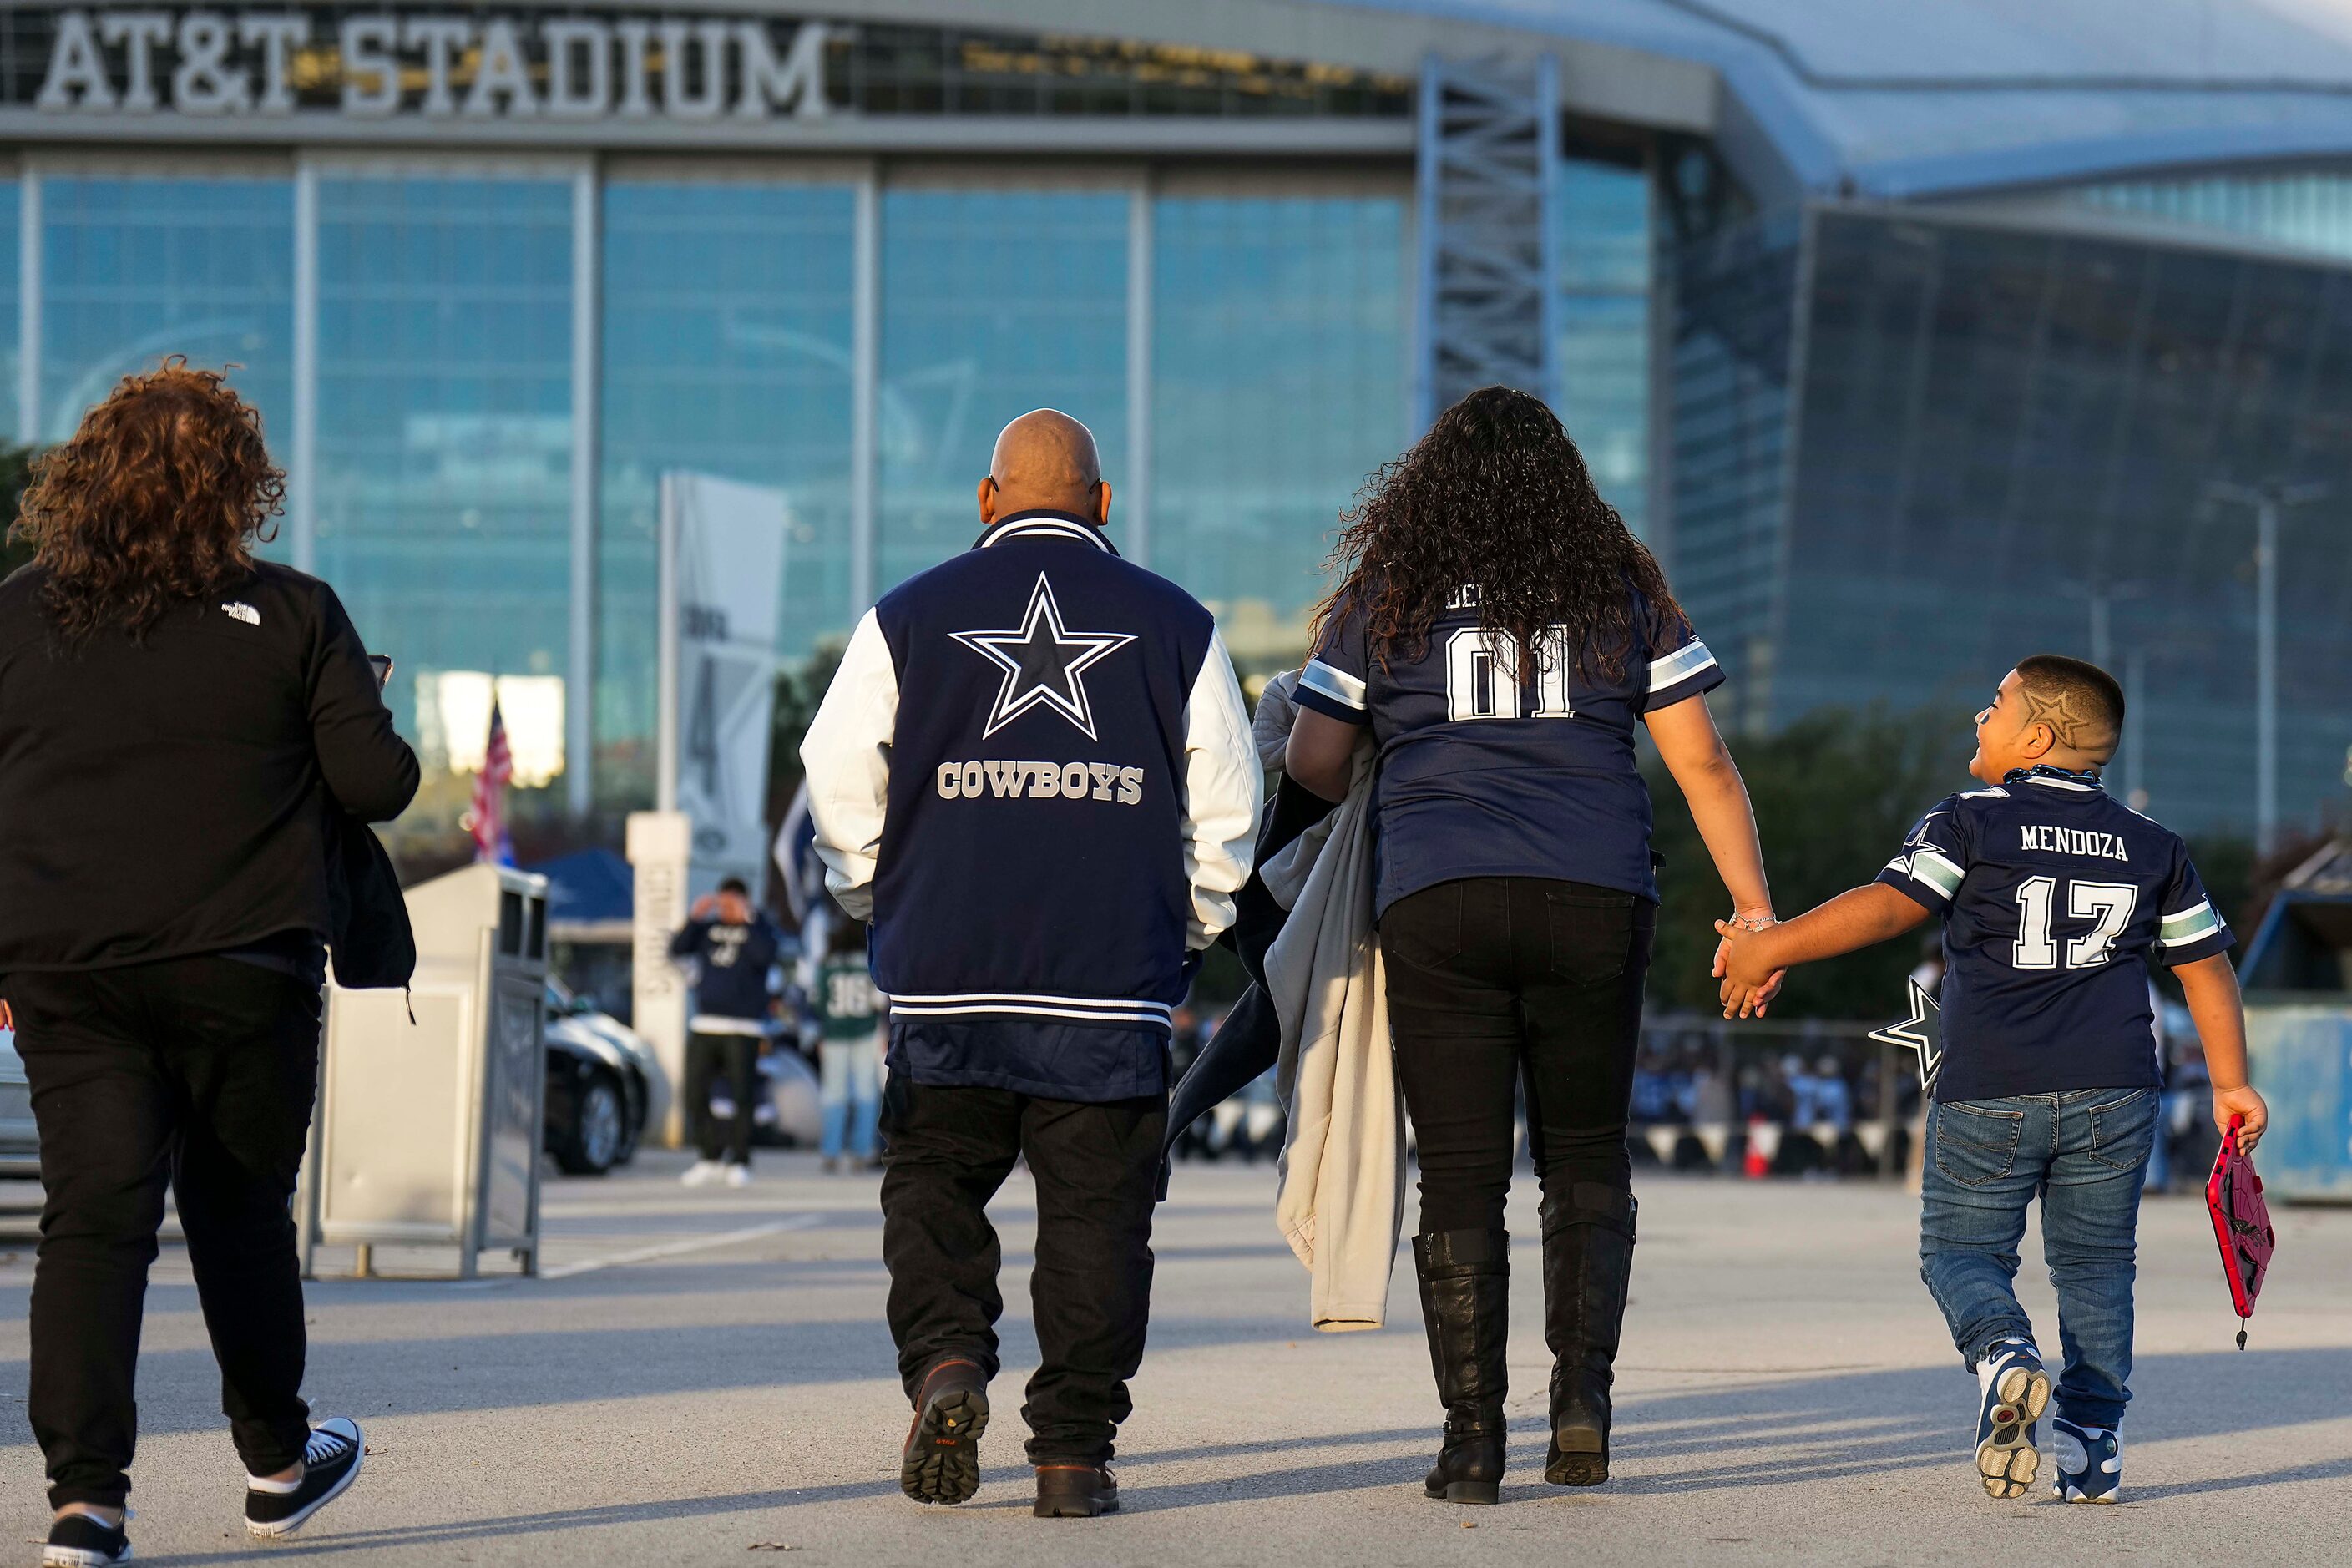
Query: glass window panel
x=1603 y=221
x=11 y=428
x=1278 y=386
x=2308 y=208
x=1734 y=297
x=444 y=448
x=726 y=349
x=135 y=268
x=994 y=301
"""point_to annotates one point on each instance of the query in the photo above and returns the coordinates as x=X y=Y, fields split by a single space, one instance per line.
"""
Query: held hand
x=2244 y=1102
x=7 y=1019
x=1749 y=983
x=1738 y=960
x=1750 y=1001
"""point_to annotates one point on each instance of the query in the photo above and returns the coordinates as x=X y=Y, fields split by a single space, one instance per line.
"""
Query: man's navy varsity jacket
x=1035 y=775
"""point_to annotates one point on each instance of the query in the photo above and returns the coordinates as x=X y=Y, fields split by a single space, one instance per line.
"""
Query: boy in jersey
x=2054 y=898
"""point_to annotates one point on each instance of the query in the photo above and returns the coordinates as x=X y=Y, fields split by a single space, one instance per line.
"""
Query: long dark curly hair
x=156 y=500
x=1495 y=498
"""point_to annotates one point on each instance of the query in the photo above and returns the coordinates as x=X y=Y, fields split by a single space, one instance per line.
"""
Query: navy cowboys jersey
x=1034 y=772
x=1483 y=776
x=2054 y=896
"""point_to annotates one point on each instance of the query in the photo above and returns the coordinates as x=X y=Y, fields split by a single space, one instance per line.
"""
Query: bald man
x=1034 y=775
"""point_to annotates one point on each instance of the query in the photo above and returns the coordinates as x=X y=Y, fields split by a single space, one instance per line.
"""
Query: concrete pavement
x=709 y=1376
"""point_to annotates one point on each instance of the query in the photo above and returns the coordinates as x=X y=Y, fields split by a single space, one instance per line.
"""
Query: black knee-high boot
x=1588 y=1260
x=1466 y=1279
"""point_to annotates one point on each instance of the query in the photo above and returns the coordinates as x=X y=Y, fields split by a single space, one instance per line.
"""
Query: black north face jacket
x=198 y=789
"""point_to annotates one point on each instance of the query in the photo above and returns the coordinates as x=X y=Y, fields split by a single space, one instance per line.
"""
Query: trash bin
x=428 y=1132
x=2298 y=981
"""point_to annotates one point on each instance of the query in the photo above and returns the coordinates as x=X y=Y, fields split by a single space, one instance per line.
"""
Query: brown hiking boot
x=1076 y=1491
x=941 y=1460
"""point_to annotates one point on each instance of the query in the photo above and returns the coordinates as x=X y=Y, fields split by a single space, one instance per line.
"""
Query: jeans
x=730 y=1063
x=1496 y=982
x=849 y=1077
x=196 y=1071
x=2084 y=1153
x=945 y=1151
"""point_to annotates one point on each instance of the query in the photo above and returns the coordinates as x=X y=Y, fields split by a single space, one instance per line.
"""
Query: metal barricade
x=2298 y=981
x=1720 y=1082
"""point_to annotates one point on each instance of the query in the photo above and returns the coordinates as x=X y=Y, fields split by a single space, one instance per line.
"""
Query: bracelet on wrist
x=1754 y=923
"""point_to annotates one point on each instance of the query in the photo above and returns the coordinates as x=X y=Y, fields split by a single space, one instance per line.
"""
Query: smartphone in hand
x=382 y=663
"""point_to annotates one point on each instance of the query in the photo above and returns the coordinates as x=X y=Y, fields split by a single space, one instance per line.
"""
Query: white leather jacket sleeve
x=1224 y=789
x=847 y=755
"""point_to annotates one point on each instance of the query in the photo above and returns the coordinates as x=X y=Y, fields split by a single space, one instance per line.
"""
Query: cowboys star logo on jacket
x=1034 y=774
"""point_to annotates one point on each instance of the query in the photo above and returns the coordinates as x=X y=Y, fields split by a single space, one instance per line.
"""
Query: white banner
x=658 y=852
x=722 y=589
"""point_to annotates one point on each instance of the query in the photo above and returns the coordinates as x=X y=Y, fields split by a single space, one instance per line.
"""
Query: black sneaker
x=78 y=1540
x=330 y=1463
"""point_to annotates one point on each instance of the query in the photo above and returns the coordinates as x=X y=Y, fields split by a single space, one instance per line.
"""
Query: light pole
x=2268 y=499
x=2135 y=729
x=2102 y=597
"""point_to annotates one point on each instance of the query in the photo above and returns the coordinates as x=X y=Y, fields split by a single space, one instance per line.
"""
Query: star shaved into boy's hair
x=2066 y=714
x=2080 y=702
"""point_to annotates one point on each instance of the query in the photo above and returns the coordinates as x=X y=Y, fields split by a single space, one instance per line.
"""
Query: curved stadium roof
x=1921 y=98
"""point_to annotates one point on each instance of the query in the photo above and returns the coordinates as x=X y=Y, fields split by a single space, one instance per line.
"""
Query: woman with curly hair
x=180 y=726
x=1501 y=632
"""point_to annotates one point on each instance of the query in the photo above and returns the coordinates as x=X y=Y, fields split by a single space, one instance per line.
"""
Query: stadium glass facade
x=1889 y=422
x=483 y=296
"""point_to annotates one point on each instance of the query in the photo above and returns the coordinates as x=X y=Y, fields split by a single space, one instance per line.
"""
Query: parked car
x=20 y=1144
x=600 y=1076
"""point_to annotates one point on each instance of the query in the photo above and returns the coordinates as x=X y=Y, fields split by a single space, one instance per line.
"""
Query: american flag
x=488 y=821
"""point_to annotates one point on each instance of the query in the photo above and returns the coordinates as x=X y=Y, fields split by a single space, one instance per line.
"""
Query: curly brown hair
x=156 y=500
x=1495 y=498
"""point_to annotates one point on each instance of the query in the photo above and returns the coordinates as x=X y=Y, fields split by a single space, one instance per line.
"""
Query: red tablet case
x=2242 y=1226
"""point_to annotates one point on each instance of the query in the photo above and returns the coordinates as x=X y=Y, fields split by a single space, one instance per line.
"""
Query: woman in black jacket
x=183 y=732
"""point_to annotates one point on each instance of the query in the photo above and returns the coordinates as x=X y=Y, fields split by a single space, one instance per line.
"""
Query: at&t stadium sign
x=158 y=63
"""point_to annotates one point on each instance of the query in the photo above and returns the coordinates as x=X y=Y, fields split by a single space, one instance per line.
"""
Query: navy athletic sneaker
x=2090 y=1462
x=330 y=1463
x=2015 y=1391
x=78 y=1540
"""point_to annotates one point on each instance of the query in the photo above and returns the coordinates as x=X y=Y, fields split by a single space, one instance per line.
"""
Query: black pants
x=735 y=1061
x=198 y=1071
x=1497 y=980
x=945 y=1151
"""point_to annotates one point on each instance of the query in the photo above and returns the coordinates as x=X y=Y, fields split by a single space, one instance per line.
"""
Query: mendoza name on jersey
x=2073 y=841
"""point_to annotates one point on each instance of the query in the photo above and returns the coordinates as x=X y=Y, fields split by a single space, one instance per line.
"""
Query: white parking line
x=648 y=1254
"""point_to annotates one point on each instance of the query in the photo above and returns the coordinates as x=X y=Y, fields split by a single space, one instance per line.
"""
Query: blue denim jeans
x=848 y=1090
x=2084 y=1153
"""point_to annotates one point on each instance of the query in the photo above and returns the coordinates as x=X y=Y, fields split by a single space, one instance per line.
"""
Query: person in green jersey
x=849 y=1050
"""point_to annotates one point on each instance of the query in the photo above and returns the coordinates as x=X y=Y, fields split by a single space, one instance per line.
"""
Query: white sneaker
x=2012 y=1392
x=739 y=1175
x=702 y=1173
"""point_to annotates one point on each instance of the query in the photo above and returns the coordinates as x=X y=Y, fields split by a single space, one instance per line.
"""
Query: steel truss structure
x=1488 y=168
